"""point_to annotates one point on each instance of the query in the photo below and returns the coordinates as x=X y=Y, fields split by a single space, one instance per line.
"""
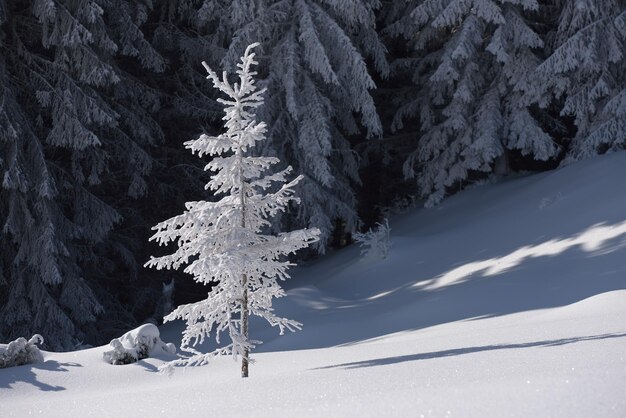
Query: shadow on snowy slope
x=28 y=374
x=538 y=242
x=467 y=350
x=536 y=283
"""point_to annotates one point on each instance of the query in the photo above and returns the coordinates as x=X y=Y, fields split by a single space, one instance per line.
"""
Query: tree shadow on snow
x=149 y=367
x=552 y=273
x=28 y=374
x=466 y=350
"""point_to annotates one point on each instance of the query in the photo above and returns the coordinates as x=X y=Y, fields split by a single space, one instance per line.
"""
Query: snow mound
x=20 y=352
x=138 y=344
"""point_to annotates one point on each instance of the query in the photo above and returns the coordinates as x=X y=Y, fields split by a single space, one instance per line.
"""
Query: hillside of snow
x=509 y=299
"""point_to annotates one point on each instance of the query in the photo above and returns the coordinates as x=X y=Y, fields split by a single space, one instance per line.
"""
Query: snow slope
x=507 y=300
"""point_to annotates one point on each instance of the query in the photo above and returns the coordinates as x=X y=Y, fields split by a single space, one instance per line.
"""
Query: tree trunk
x=244 y=326
x=244 y=279
x=501 y=166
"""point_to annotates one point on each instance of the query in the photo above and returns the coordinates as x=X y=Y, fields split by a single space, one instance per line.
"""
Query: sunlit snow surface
x=507 y=300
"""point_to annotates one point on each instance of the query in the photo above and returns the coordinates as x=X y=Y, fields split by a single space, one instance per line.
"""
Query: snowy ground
x=508 y=300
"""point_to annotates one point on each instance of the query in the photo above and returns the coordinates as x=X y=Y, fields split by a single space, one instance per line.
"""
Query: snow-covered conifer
x=471 y=59
x=77 y=128
x=225 y=243
x=586 y=74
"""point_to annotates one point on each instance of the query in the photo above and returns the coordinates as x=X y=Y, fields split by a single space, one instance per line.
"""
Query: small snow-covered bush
x=375 y=242
x=20 y=351
x=138 y=344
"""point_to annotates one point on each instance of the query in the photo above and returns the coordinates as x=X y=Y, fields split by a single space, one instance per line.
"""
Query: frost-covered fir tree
x=78 y=126
x=225 y=243
x=46 y=290
x=470 y=61
x=313 y=64
x=33 y=253
x=585 y=75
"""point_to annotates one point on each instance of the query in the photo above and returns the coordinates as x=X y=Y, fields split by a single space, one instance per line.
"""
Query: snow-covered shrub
x=138 y=344
x=20 y=351
x=375 y=242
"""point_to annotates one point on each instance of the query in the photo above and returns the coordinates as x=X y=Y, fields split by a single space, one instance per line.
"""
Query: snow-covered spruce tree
x=78 y=126
x=33 y=256
x=224 y=243
x=470 y=62
x=313 y=64
x=586 y=74
x=132 y=168
x=44 y=290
